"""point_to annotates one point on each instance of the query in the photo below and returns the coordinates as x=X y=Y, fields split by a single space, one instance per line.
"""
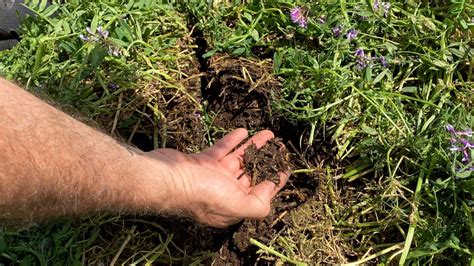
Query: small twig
x=117 y=114
x=274 y=252
x=124 y=244
x=373 y=256
x=279 y=218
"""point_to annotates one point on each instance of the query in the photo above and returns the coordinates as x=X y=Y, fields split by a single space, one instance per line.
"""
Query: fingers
x=226 y=144
x=255 y=204
x=243 y=179
x=283 y=180
x=233 y=160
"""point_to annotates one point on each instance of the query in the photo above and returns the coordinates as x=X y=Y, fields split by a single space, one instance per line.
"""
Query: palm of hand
x=209 y=182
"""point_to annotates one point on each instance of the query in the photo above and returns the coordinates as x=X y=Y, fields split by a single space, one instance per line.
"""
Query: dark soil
x=267 y=162
x=239 y=92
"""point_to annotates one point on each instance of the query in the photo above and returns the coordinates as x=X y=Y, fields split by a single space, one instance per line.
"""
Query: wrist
x=149 y=187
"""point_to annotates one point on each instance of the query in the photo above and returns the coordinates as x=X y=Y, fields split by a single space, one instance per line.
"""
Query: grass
x=389 y=188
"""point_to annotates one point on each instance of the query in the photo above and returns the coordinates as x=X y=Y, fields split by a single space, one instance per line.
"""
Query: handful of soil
x=266 y=163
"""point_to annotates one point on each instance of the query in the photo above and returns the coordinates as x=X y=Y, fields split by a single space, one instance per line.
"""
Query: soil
x=239 y=92
x=266 y=163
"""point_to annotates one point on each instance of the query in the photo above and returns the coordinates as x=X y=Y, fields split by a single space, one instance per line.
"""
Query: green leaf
x=97 y=56
x=239 y=51
x=94 y=23
x=209 y=53
x=368 y=130
x=277 y=61
x=380 y=76
x=248 y=16
x=50 y=10
x=43 y=5
x=255 y=35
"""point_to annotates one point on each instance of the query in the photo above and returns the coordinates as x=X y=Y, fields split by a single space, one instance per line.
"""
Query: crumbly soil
x=267 y=162
x=239 y=92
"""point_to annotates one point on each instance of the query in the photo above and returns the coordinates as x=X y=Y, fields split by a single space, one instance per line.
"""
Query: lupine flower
x=298 y=17
x=362 y=60
x=385 y=5
x=115 y=51
x=361 y=64
x=198 y=115
x=113 y=86
x=337 y=31
x=94 y=37
x=351 y=34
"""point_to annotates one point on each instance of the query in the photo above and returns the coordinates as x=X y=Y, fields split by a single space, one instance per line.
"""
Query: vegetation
x=377 y=99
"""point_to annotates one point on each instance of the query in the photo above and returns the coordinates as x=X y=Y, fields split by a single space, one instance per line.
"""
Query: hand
x=208 y=187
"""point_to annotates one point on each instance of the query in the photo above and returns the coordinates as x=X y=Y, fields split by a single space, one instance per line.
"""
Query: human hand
x=207 y=185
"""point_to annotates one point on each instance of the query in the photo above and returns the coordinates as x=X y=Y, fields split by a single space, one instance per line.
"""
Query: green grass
x=390 y=189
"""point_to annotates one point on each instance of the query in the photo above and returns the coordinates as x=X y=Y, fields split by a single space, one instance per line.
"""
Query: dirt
x=267 y=162
x=239 y=92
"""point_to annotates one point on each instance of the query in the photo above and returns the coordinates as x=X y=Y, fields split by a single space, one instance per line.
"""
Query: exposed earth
x=237 y=92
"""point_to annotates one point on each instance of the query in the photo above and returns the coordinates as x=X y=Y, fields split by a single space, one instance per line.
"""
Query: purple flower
x=465 y=156
x=88 y=29
x=84 y=38
x=460 y=144
x=115 y=51
x=113 y=86
x=337 y=31
x=322 y=19
x=362 y=60
x=467 y=144
x=467 y=132
x=361 y=64
x=383 y=61
x=198 y=115
x=376 y=5
x=298 y=17
x=386 y=8
x=359 y=52
x=102 y=32
x=450 y=129
x=351 y=34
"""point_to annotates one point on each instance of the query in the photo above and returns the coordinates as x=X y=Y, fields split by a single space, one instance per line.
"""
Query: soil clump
x=267 y=162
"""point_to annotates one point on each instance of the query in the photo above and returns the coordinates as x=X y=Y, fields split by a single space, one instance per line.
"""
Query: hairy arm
x=52 y=165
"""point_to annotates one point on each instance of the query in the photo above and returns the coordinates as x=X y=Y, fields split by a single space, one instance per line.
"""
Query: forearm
x=51 y=164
